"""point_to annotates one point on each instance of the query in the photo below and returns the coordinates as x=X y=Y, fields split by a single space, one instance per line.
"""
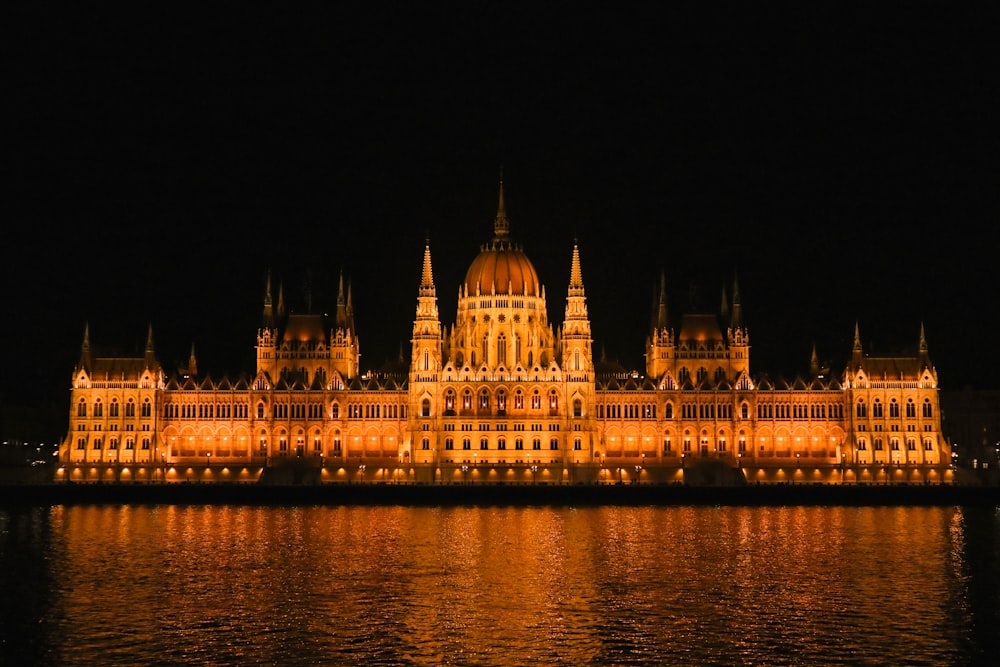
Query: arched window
x=577 y=407
x=927 y=408
x=893 y=408
x=113 y=410
x=876 y=408
x=449 y=443
x=668 y=411
x=745 y=411
x=862 y=409
x=81 y=408
x=335 y=411
x=501 y=350
x=98 y=408
x=425 y=408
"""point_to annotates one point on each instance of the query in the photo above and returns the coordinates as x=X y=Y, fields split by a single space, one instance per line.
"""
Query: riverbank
x=405 y=494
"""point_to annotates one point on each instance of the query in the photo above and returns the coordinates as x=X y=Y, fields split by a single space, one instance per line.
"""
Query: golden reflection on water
x=506 y=585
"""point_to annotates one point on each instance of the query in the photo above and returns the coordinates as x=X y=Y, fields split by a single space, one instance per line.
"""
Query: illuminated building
x=503 y=397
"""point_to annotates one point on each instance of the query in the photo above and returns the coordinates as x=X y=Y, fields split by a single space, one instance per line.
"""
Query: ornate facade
x=503 y=397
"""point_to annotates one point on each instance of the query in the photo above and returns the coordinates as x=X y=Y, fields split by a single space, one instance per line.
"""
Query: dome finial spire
x=501 y=226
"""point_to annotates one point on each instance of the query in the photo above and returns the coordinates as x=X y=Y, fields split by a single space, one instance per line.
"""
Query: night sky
x=842 y=164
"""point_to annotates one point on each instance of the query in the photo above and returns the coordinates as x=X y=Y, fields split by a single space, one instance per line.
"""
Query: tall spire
x=427 y=274
x=736 y=321
x=661 y=311
x=268 y=315
x=501 y=225
x=575 y=273
x=341 y=302
x=85 y=361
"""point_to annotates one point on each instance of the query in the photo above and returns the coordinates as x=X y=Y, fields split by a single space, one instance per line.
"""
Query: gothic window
x=519 y=444
x=501 y=402
x=81 y=408
x=484 y=443
x=876 y=408
x=425 y=444
x=927 y=407
x=449 y=443
x=466 y=443
x=425 y=408
x=893 y=408
x=130 y=444
x=668 y=411
x=484 y=400
x=486 y=342
x=720 y=374
x=911 y=409
x=501 y=444
x=518 y=400
x=862 y=410
x=667 y=446
x=895 y=444
x=862 y=445
x=702 y=374
x=553 y=443
x=130 y=408
x=553 y=401
x=114 y=443
x=145 y=443
x=147 y=409
x=517 y=346
x=98 y=409
x=449 y=402
x=501 y=350
x=97 y=443
x=536 y=401
x=536 y=444
x=335 y=411
x=744 y=411
x=927 y=444
x=683 y=375
x=577 y=444
x=878 y=445
x=427 y=361
x=577 y=408
x=113 y=410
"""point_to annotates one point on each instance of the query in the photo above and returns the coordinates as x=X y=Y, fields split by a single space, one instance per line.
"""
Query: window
x=335 y=411
x=893 y=408
x=130 y=409
x=501 y=444
x=668 y=411
x=449 y=443
x=484 y=443
x=911 y=409
x=466 y=443
x=425 y=444
x=98 y=409
x=147 y=409
x=536 y=444
x=81 y=409
x=876 y=408
x=425 y=408
x=113 y=410
x=927 y=408
x=577 y=408
x=553 y=444
x=519 y=444
x=577 y=444
x=862 y=410
x=878 y=445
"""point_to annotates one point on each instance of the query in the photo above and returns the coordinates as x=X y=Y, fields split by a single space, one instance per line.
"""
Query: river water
x=390 y=585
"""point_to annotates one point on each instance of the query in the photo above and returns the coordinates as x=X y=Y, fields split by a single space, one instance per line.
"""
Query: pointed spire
x=85 y=347
x=661 y=311
x=150 y=354
x=501 y=225
x=192 y=367
x=575 y=272
x=268 y=314
x=923 y=340
x=427 y=273
x=724 y=307
x=281 y=300
x=736 y=321
x=814 y=362
x=857 y=337
x=341 y=302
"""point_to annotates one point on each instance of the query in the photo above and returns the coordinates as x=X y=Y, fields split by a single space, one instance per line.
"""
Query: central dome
x=501 y=267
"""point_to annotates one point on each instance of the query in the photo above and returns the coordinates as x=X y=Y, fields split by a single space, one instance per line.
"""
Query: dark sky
x=842 y=163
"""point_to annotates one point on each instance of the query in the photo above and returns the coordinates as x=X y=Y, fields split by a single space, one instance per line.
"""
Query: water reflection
x=499 y=585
